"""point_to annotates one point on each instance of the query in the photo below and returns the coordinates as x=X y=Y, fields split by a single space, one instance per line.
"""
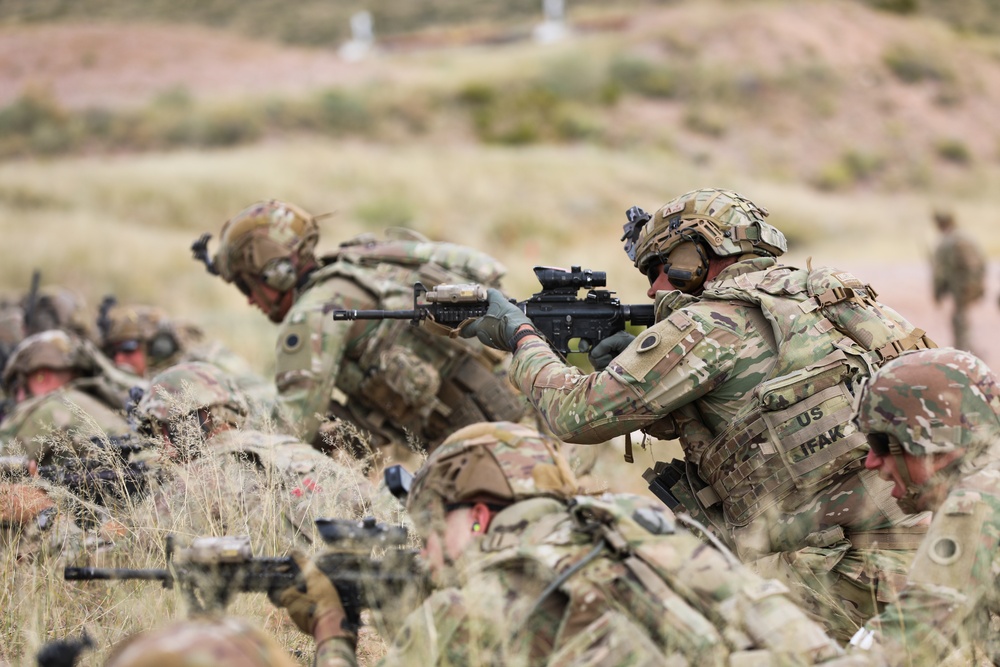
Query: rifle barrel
x=111 y=573
x=341 y=314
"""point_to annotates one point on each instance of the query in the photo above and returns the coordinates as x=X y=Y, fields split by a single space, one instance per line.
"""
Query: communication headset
x=687 y=265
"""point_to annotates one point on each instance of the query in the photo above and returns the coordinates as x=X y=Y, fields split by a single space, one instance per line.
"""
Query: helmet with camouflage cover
x=56 y=307
x=120 y=324
x=931 y=402
x=493 y=462
x=53 y=349
x=186 y=388
x=223 y=642
x=712 y=220
x=269 y=241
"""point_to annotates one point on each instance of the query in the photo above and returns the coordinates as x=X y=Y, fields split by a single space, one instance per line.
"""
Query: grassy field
x=821 y=112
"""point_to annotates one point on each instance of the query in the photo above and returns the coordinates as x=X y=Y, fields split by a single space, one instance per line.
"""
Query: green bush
x=644 y=77
x=915 y=64
x=954 y=151
x=852 y=168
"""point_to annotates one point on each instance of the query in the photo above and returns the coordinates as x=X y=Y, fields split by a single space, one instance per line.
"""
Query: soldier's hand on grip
x=497 y=327
x=605 y=351
x=317 y=610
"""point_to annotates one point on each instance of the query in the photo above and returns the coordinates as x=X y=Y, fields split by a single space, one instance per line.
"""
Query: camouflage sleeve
x=308 y=355
x=943 y=607
x=674 y=362
x=335 y=652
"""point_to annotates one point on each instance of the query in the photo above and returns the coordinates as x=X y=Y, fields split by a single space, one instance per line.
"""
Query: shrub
x=642 y=76
x=954 y=151
x=913 y=64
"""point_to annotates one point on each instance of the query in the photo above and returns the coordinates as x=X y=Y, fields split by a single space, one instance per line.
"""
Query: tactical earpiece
x=687 y=266
x=279 y=274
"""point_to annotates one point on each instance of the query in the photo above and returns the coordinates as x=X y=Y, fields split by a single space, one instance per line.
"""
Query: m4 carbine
x=556 y=311
x=212 y=569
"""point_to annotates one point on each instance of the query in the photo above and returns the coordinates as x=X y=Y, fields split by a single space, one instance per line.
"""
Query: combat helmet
x=55 y=307
x=683 y=231
x=129 y=327
x=493 y=462
x=54 y=349
x=183 y=390
x=225 y=642
x=269 y=241
x=931 y=402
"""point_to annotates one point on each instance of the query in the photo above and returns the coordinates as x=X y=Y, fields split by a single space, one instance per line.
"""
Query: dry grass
x=214 y=495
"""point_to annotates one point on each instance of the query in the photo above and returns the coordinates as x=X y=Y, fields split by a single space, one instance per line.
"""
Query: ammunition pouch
x=798 y=438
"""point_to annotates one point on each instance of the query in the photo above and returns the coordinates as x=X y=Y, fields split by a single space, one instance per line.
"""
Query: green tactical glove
x=498 y=325
x=604 y=352
x=317 y=610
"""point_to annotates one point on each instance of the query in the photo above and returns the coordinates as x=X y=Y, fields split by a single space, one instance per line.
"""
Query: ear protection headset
x=686 y=265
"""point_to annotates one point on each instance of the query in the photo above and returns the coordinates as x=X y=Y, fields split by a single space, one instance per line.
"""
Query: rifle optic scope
x=552 y=277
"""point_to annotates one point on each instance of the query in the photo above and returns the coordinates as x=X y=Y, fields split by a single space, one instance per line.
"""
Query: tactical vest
x=402 y=379
x=795 y=435
x=626 y=553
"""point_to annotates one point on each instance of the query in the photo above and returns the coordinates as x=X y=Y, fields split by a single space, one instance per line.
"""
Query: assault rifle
x=99 y=479
x=556 y=312
x=212 y=569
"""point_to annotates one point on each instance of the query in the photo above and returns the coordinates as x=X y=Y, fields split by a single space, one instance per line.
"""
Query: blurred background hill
x=128 y=128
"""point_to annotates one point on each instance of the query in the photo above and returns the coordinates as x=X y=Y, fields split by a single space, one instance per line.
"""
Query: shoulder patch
x=954 y=542
x=654 y=344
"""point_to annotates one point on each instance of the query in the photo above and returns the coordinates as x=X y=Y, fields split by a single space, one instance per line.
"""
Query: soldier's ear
x=480 y=515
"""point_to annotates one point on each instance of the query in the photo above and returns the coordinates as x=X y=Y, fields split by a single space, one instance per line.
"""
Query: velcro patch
x=652 y=346
x=848 y=280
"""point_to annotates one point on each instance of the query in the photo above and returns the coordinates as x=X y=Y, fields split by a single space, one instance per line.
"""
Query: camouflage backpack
x=829 y=332
x=406 y=376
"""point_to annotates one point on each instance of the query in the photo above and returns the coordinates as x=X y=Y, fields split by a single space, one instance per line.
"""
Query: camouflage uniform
x=221 y=642
x=56 y=307
x=754 y=376
x=559 y=579
x=167 y=342
x=226 y=471
x=958 y=267
x=922 y=404
x=60 y=424
x=395 y=381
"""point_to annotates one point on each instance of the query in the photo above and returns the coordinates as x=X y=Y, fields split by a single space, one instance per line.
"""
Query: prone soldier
x=144 y=340
x=527 y=572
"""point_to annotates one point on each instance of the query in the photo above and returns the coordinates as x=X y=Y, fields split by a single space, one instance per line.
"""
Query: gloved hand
x=317 y=611
x=498 y=325
x=604 y=352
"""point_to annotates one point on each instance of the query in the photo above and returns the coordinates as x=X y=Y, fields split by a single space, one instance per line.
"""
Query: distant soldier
x=933 y=418
x=144 y=340
x=400 y=384
x=527 y=573
x=54 y=307
x=231 y=477
x=62 y=405
x=958 y=267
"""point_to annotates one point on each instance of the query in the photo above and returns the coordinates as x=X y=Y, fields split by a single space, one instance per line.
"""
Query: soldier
x=143 y=340
x=529 y=573
x=751 y=364
x=933 y=418
x=55 y=307
x=958 y=267
x=396 y=382
x=228 y=473
x=220 y=642
x=61 y=406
